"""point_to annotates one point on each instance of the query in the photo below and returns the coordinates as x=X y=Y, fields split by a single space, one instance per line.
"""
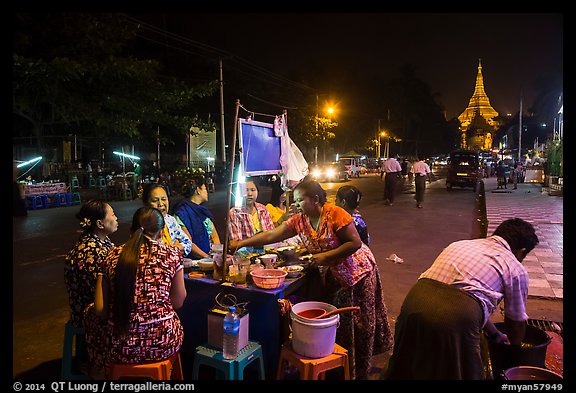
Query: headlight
x=330 y=172
x=316 y=173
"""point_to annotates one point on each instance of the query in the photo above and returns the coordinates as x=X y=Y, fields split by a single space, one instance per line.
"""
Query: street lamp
x=330 y=110
x=381 y=134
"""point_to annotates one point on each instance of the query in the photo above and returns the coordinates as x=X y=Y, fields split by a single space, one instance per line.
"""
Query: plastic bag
x=395 y=258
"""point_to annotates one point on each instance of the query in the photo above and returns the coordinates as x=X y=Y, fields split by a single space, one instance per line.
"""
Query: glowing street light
x=28 y=162
x=126 y=155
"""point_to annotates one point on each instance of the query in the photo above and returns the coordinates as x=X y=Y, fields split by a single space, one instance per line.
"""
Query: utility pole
x=158 y=149
x=316 y=123
x=222 y=133
x=378 y=140
x=520 y=131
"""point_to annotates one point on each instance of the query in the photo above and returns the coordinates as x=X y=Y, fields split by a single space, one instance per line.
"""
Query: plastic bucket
x=528 y=373
x=532 y=353
x=313 y=338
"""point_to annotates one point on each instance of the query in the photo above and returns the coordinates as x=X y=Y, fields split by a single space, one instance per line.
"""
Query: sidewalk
x=545 y=264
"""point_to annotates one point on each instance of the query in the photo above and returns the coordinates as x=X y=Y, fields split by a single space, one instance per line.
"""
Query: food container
x=189 y=265
x=269 y=260
x=287 y=251
x=205 y=264
x=293 y=270
x=268 y=278
x=314 y=338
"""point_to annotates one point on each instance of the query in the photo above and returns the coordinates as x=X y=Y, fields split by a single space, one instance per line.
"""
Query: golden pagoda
x=479 y=106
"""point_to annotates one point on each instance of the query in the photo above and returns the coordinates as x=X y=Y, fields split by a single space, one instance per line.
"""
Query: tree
x=70 y=73
x=416 y=115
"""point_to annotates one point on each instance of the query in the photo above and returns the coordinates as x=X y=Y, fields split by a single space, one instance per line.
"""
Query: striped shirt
x=488 y=270
x=241 y=226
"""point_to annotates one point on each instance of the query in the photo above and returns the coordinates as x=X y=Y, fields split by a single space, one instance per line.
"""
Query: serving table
x=263 y=309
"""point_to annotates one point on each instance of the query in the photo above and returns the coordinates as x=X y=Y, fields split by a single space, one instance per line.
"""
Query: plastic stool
x=169 y=369
x=75 y=198
x=73 y=349
x=61 y=199
x=91 y=182
x=126 y=194
x=311 y=368
x=74 y=184
x=232 y=369
x=101 y=182
x=37 y=201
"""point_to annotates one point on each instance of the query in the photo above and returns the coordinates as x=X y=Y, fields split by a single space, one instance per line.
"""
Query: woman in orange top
x=351 y=272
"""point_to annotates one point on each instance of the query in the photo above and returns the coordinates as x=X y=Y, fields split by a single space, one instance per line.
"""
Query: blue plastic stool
x=74 y=347
x=61 y=200
x=37 y=202
x=231 y=369
x=91 y=182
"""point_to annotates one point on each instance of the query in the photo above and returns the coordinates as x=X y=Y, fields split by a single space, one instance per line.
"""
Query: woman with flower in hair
x=84 y=261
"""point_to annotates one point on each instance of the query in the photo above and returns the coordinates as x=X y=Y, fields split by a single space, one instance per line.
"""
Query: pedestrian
x=392 y=171
x=487 y=169
x=438 y=331
x=349 y=268
x=136 y=180
x=501 y=175
x=404 y=166
x=138 y=293
x=348 y=198
x=196 y=218
x=517 y=174
x=421 y=172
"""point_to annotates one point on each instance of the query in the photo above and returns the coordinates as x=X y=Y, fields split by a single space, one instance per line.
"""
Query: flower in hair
x=85 y=223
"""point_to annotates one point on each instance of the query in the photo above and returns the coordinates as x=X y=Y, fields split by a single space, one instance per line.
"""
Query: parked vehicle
x=463 y=169
x=329 y=172
x=354 y=166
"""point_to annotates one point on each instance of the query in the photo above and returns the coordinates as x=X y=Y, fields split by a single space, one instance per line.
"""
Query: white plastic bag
x=294 y=165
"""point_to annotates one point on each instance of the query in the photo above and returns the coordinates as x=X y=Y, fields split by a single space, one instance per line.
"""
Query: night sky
x=342 y=55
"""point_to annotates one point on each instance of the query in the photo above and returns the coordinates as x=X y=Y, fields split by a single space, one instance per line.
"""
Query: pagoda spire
x=479 y=103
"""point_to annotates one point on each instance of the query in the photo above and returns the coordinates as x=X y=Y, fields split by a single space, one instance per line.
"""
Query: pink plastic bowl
x=268 y=278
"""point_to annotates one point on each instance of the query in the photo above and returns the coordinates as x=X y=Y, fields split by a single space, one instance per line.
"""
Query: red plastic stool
x=169 y=369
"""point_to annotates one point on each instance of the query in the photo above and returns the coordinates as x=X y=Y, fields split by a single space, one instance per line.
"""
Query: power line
x=214 y=54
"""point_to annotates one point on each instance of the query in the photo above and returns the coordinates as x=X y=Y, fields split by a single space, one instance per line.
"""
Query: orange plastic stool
x=169 y=369
x=311 y=368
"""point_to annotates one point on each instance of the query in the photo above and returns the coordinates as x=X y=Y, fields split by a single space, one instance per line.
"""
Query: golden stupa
x=479 y=106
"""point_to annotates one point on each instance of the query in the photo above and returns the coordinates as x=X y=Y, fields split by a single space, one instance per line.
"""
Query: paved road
x=40 y=241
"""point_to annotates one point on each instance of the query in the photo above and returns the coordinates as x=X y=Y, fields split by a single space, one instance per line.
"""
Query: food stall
x=264 y=321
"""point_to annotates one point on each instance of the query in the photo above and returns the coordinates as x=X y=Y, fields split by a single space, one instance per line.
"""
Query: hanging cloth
x=294 y=165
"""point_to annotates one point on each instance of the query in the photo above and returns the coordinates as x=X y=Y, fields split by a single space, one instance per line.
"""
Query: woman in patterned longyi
x=141 y=287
